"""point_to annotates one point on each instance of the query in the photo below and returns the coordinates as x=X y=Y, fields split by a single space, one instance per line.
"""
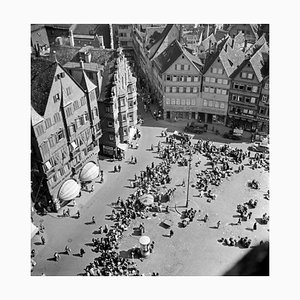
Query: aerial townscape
x=149 y=149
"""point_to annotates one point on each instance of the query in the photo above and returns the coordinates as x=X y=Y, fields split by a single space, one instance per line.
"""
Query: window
x=62 y=171
x=75 y=105
x=86 y=117
x=124 y=117
x=186 y=67
x=195 y=89
x=250 y=76
x=95 y=112
x=51 y=141
x=107 y=109
x=187 y=89
x=264 y=98
x=207 y=79
x=56 y=98
x=122 y=102
x=245 y=111
x=222 y=105
x=92 y=95
x=188 y=101
x=211 y=90
x=180 y=78
x=212 y=79
x=240 y=98
x=44 y=148
x=193 y=102
x=206 y=89
x=236 y=86
x=180 y=89
x=56 y=117
x=220 y=71
x=177 y=67
x=48 y=165
x=71 y=129
x=253 y=100
x=225 y=81
x=110 y=124
x=60 y=135
x=266 y=86
x=182 y=101
x=111 y=137
x=196 y=78
x=174 y=89
x=82 y=100
x=68 y=91
x=177 y=101
x=204 y=102
x=168 y=77
x=39 y=130
x=234 y=97
x=219 y=80
x=78 y=123
x=224 y=92
x=48 y=123
x=262 y=110
x=189 y=78
x=248 y=88
x=250 y=112
x=210 y=103
x=241 y=87
x=167 y=89
x=125 y=131
x=216 y=104
x=215 y=70
x=174 y=78
x=244 y=75
x=218 y=91
x=69 y=111
x=254 y=89
x=247 y=99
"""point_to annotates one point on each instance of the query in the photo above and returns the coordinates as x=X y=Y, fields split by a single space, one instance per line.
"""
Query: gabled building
x=218 y=68
x=178 y=76
x=246 y=88
x=63 y=120
x=263 y=107
x=39 y=40
x=250 y=31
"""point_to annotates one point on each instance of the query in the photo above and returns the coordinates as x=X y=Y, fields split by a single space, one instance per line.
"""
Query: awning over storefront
x=34 y=230
x=147 y=199
x=122 y=146
x=89 y=172
x=132 y=132
x=69 y=190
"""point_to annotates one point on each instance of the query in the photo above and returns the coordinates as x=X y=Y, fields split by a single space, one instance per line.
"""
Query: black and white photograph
x=150 y=149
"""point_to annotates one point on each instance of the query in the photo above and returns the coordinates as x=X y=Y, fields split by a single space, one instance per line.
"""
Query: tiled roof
x=262 y=40
x=34 y=27
x=171 y=54
x=35 y=117
x=168 y=56
x=42 y=73
x=260 y=62
x=94 y=67
x=205 y=42
x=155 y=47
x=86 y=83
x=59 y=26
x=220 y=34
x=85 y=29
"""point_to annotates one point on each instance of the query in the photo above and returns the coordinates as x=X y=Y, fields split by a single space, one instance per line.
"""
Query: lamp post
x=188 y=183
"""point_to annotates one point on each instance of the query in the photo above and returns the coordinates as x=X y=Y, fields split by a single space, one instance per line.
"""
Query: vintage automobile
x=259 y=147
x=234 y=134
x=196 y=127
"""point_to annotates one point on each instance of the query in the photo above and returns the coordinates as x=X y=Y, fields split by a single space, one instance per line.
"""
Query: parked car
x=259 y=147
x=234 y=134
x=195 y=127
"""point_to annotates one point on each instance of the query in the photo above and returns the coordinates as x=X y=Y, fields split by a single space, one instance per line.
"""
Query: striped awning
x=69 y=190
x=89 y=172
x=147 y=199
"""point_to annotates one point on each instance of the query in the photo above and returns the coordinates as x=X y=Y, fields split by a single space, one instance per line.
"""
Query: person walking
x=171 y=233
x=78 y=214
x=249 y=215
x=67 y=250
x=239 y=222
x=119 y=168
x=81 y=251
x=254 y=226
x=43 y=241
x=205 y=218
x=93 y=220
x=218 y=224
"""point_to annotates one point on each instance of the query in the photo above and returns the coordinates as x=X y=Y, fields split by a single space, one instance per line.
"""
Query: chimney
x=54 y=55
x=38 y=49
x=101 y=42
x=71 y=38
x=87 y=57
x=81 y=64
x=245 y=45
x=207 y=31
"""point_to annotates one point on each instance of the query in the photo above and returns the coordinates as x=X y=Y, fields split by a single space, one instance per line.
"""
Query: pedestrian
x=93 y=220
x=92 y=189
x=32 y=253
x=73 y=202
x=239 y=222
x=249 y=215
x=81 y=252
x=205 y=218
x=135 y=160
x=43 y=240
x=101 y=173
x=171 y=233
x=67 y=250
x=254 y=226
x=218 y=224
x=78 y=214
x=119 y=168
x=136 y=146
x=115 y=169
x=183 y=183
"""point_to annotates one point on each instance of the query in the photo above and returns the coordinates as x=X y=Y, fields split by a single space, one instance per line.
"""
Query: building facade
x=64 y=122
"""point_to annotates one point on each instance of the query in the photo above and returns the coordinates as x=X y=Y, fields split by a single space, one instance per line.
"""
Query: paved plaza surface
x=193 y=250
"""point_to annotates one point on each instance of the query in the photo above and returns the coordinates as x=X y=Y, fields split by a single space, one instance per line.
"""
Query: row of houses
x=83 y=104
x=224 y=79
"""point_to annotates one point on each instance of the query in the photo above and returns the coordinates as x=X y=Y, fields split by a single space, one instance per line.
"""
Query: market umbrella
x=147 y=199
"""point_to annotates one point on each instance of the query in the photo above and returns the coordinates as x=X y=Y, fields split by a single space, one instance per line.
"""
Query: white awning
x=34 y=230
x=122 y=146
x=89 y=172
x=147 y=199
x=144 y=240
x=69 y=190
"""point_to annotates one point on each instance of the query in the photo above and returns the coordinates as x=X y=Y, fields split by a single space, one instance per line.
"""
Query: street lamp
x=188 y=183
